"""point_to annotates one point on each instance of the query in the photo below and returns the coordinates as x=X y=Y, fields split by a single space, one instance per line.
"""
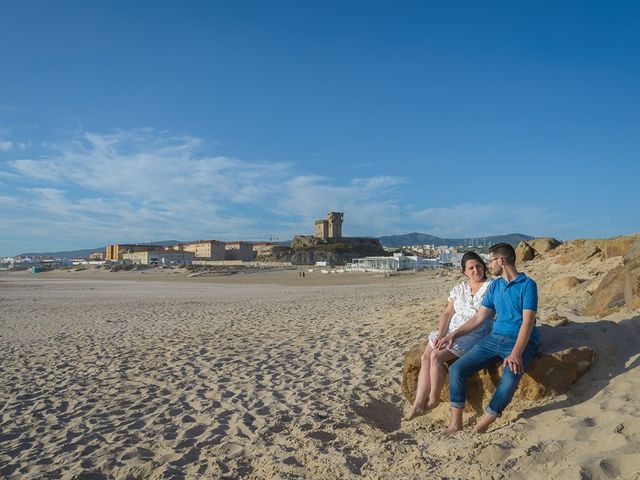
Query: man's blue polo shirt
x=509 y=300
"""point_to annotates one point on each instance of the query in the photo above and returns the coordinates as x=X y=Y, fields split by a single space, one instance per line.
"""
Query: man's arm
x=480 y=316
x=514 y=360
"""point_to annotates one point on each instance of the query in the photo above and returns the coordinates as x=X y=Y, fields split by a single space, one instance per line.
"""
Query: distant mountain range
x=387 y=241
x=426 y=239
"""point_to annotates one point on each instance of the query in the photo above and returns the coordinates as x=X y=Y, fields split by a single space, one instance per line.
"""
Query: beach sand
x=157 y=375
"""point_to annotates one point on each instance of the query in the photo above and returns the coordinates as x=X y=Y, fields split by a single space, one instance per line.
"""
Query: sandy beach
x=133 y=375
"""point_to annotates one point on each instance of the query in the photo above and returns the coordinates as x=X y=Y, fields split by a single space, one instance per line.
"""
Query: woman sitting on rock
x=464 y=301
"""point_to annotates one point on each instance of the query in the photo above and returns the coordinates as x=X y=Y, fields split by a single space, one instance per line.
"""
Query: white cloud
x=141 y=184
x=131 y=185
x=5 y=145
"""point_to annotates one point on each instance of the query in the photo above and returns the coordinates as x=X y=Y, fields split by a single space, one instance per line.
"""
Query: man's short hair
x=505 y=251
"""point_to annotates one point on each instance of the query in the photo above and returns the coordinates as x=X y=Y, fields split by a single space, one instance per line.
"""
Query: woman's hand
x=445 y=342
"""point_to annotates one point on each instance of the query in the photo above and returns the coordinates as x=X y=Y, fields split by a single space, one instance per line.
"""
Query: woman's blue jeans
x=484 y=354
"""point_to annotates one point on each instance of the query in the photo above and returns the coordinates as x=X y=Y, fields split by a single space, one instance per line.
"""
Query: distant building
x=450 y=256
x=96 y=256
x=395 y=263
x=115 y=252
x=239 y=251
x=331 y=227
x=159 y=257
x=203 y=249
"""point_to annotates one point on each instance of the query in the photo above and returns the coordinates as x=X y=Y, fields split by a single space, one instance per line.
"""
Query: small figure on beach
x=464 y=302
x=513 y=298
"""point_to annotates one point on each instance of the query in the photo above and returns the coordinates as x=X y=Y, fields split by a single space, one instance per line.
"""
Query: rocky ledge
x=306 y=250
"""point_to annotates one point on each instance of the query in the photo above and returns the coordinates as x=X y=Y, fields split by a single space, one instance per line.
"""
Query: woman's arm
x=445 y=318
x=480 y=316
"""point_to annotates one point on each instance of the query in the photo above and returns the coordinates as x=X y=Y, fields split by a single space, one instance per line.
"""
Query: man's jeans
x=485 y=353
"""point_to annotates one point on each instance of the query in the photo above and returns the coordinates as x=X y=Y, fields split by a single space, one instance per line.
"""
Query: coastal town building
x=331 y=227
x=115 y=252
x=203 y=249
x=96 y=256
x=159 y=257
x=239 y=251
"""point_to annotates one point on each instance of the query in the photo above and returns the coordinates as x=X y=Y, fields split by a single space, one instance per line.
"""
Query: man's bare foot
x=414 y=412
x=453 y=428
x=484 y=422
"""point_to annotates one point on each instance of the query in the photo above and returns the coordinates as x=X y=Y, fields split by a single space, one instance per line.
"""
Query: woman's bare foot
x=414 y=412
x=431 y=404
x=484 y=422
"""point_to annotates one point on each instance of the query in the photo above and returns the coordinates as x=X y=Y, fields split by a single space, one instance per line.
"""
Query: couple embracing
x=469 y=335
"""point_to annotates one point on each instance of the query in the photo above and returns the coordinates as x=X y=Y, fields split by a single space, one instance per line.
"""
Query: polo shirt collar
x=519 y=279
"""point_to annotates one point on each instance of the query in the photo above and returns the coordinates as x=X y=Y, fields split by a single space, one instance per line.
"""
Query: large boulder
x=620 y=286
x=608 y=297
x=632 y=276
x=577 y=251
x=524 y=252
x=552 y=372
x=544 y=244
x=565 y=283
x=618 y=246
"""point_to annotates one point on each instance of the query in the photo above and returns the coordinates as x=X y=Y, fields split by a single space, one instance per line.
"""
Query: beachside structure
x=203 y=249
x=331 y=227
x=392 y=264
x=239 y=251
x=159 y=257
x=115 y=252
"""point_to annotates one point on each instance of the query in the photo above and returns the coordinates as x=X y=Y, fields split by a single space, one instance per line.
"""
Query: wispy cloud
x=132 y=185
x=8 y=145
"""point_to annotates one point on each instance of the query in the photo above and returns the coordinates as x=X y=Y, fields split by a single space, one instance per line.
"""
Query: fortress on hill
x=331 y=227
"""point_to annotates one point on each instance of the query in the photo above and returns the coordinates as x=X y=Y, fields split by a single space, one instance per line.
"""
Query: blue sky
x=130 y=121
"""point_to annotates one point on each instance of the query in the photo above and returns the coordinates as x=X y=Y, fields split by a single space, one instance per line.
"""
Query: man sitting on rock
x=513 y=339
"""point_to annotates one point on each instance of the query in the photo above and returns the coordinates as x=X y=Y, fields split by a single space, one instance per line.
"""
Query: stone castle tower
x=331 y=227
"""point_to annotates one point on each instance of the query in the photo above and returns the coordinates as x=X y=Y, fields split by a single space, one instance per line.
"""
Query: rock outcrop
x=565 y=284
x=632 y=277
x=580 y=250
x=307 y=250
x=618 y=246
x=544 y=244
x=577 y=251
x=524 y=252
x=552 y=372
x=620 y=286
